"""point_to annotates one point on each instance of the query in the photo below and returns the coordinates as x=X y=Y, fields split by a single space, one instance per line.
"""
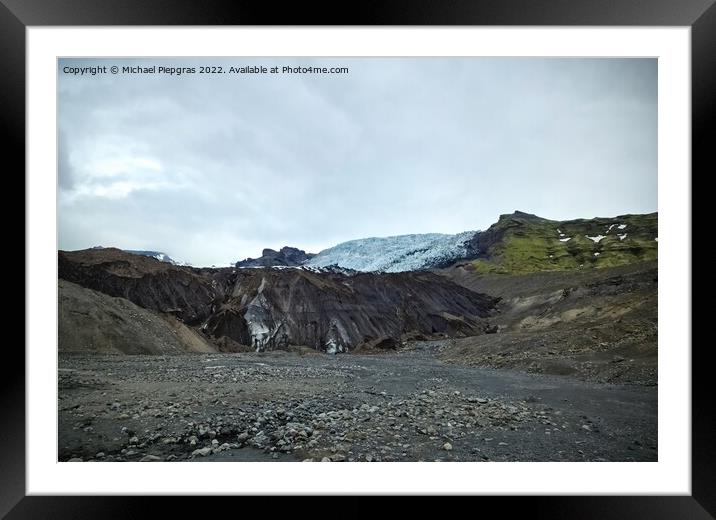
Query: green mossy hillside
x=524 y=243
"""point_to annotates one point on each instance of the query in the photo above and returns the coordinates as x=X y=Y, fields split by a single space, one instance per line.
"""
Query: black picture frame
x=700 y=15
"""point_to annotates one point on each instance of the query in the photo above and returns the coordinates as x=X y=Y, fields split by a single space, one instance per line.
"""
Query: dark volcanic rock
x=268 y=309
x=287 y=256
x=271 y=308
x=190 y=294
x=163 y=257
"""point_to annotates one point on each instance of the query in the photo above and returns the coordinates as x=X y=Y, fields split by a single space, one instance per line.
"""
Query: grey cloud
x=212 y=169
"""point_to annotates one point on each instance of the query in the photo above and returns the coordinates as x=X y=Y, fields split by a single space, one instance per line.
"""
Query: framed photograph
x=448 y=248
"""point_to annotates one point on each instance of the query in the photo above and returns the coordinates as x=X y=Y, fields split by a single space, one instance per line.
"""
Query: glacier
x=397 y=253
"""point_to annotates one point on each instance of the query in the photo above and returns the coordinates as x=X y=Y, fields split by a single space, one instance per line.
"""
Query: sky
x=212 y=168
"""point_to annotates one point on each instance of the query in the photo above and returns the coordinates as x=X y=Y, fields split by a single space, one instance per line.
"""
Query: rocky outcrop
x=287 y=256
x=271 y=308
x=188 y=293
x=268 y=308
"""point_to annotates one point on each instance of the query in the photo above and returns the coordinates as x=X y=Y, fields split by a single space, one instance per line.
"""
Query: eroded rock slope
x=268 y=308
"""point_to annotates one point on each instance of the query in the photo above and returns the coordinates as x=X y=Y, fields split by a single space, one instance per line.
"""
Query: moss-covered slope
x=524 y=243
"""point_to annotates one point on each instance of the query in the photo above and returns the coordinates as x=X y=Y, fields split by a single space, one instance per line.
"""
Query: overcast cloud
x=213 y=168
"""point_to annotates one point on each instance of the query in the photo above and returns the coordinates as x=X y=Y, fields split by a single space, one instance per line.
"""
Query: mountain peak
x=521 y=215
x=287 y=256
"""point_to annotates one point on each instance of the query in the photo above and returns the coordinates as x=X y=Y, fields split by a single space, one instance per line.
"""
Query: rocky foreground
x=402 y=406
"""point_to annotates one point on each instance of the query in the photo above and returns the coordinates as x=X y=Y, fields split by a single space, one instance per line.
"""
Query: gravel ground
x=404 y=406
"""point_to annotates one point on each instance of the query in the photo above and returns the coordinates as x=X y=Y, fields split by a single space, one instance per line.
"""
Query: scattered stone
x=202 y=452
x=150 y=458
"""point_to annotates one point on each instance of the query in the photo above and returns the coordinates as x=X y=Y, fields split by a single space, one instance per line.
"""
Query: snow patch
x=622 y=226
x=622 y=236
x=610 y=228
x=597 y=254
x=565 y=239
x=656 y=239
x=595 y=239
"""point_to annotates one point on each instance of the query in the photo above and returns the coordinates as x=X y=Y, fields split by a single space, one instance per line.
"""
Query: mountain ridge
x=517 y=242
x=266 y=308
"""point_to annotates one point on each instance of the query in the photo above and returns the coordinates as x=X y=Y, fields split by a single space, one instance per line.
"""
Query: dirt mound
x=600 y=324
x=89 y=321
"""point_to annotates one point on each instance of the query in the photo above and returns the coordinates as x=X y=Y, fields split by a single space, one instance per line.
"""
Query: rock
x=150 y=458
x=447 y=446
x=242 y=437
x=75 y=459
x=203 y=452
x=134 y=440
x=325 y=459
x=99 y=455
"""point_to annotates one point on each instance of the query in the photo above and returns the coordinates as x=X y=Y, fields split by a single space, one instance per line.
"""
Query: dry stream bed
x=403 y=406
